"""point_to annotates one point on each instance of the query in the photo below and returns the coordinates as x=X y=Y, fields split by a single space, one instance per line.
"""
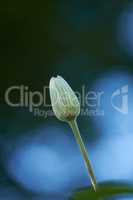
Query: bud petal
x=64 y=101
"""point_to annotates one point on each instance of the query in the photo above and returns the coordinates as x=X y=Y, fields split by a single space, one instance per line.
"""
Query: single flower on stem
x=66 y=107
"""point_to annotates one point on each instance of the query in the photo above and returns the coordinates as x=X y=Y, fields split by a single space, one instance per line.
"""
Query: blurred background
x=90 y=44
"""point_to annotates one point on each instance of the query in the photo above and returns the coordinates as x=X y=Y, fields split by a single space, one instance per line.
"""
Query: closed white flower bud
x=64 y=101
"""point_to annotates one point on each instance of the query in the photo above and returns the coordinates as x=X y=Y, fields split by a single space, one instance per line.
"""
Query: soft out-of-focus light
x=48 y=161
x=116 y=103
x=112 y=155
x=34 y=167
x=112 y=158
x=125 y=30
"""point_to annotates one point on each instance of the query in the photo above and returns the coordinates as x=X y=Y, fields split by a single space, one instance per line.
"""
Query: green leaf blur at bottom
x=105 y=191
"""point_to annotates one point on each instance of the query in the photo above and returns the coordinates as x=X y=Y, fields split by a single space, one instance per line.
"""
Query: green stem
x=76 y=132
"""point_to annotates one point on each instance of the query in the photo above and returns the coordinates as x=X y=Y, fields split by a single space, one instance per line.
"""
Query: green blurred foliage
x=105 y=191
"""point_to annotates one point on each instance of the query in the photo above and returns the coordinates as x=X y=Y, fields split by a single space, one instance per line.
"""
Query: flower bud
x=64 y=101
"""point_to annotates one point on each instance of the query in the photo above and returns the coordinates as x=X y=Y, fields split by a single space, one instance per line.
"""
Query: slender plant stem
x=76 y=132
